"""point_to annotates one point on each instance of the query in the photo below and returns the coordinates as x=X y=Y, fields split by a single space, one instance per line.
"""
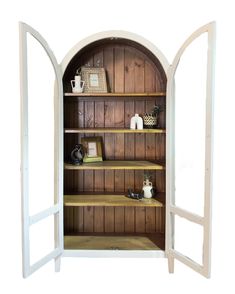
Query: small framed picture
x=92 y=149
x=95 y=79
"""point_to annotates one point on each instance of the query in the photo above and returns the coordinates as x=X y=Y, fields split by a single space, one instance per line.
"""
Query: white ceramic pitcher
x=77 y=84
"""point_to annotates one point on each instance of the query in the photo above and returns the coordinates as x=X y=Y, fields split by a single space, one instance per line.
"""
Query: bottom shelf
x=115 y=242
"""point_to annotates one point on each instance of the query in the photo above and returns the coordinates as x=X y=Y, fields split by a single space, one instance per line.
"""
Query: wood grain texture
x=88 y=217
x=119 y=225
x=109 y=219
x=114 y=165
x=129 y=219
x=119 y=69
x=114 y=242
x=98 y=219
x=108 y=200
x=114 y=130
x=140 y=224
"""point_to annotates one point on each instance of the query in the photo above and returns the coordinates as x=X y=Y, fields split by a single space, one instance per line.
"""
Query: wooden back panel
x=130 y=69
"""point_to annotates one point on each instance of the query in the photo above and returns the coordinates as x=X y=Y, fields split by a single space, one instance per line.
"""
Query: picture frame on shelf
x=95 y=79
x=92 y=149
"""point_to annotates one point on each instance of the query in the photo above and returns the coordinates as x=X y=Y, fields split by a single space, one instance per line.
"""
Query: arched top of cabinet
x=112 y=36
x=128 y=59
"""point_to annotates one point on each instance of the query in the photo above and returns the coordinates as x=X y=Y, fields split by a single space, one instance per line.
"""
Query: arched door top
x=113 y=35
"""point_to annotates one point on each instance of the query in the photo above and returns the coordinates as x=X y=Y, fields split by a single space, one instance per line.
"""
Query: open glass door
x=41 y=152
x=189 y=152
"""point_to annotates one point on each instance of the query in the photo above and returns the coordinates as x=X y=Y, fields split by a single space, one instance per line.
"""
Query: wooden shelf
x=109 y=200
x=112 y=130
x=115 y=242
x=154 y=94
x=116 y=164
x=113 y=96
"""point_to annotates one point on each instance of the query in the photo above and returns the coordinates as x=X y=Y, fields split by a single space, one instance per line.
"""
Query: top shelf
x=112 y=96
x=155 y=94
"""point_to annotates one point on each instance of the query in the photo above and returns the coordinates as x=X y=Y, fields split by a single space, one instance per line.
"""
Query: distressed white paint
x=57 y=209
x=171 y=209
x=186 y=214
x=45 y=213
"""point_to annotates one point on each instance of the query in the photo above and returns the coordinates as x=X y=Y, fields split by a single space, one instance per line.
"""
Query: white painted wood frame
x=171 y=208
x=57 y=208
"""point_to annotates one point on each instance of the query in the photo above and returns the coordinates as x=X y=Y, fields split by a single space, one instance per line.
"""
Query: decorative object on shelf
x=151 y=119
x=77 y=155
x=136 y=122
x=95 y=79
x=147 y=186
x=77 y=84
x=92 y=149
x=137 y=196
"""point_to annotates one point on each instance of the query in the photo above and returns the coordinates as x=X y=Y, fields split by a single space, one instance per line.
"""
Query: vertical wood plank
x=119 y=181
x=109 y=67
x=99 y=114
x=129 y=105
x=81 y=118
x=158 y=219
x=129 y=70
x=140 y=220
x=160 y=181
x=140 y=138
x=129 y=219
x=109 y=115
x=119 y=147
x=160 y=147
x=119 y=220
x=78 y=219
x=88 y=217
x=70 y=219
x=70 y=145
x=150 y=219
x=129 y=180
x=109 y=219
x=89 y=113
x=109 y=181
x=98 y=180
x=139 y=178
x=109 y=146
x=149 y=78
x=99 y=123
x=129 y=112
x=119 y=69
x=139 y=75
x=88 y=181
x=98 y=219
x=150 y=143
x=119 y=114
x=129 y=141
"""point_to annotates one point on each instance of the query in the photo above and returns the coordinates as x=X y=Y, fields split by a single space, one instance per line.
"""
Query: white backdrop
x=166 y=24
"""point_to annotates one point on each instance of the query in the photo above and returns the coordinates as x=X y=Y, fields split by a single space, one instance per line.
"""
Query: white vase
x=136 y=122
